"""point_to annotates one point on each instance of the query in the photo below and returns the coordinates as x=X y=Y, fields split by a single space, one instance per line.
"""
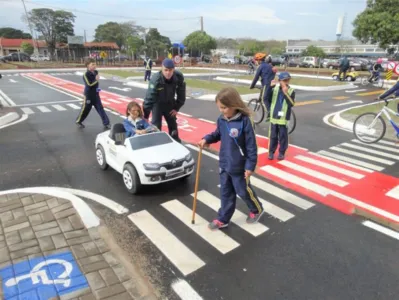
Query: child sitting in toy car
x=134 y=123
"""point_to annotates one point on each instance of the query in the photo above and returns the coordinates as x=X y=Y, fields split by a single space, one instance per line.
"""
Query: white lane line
x=365 y=156
x=388 y=143
x=214 y=156
x=43 y=109
x=183 y=114
x=351 y=161
x=319 y=154
x=355 y=91
x=27 y=110
x=47 y=103
x=7 y=99
x=313 y=173
x=329 y=166
x=382 y=229
x=112 y=100
x=262 y=150
x=58 y=107
x=370 y=151
x=217 y=239
x=377 y=146
x=184 y=290
x=178 y=253
x=205 y=120
x=238 y=218
x=394 y=193
x=73 y=106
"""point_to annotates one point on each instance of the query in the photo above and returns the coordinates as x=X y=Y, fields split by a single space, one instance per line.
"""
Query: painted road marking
x=43 y=109
x=329 y=166
x=180 y=255
x=7 y=99
x=314 y=173
x=217 y=239
x=47 y=103
x=73 y=106
x=382 y=229
x=349 y=102
x=377 y=146
x=58 y=107
x=371 y=93
x=211 y=122
x=262 y=150
x=389 y=143
x=340 y=98
x=355 y=91
x=394 y=193
x=319 y=154
x=371 y=151
x=351 y=160
x=238 y=218
x=184 y=290
x=308 y=102
x=27 y=110
x=183 y=114
x=365 y=156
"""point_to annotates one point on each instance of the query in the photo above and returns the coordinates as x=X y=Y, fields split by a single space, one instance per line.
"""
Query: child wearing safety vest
x=279 y=99
x=238 y=157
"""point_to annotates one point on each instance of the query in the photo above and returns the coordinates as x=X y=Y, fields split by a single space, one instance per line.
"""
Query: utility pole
x=202 y=24
x=85 y=35
x=35 y=48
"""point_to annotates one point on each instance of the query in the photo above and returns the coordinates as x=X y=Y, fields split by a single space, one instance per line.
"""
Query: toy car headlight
x=188 y=157
x=152 y=167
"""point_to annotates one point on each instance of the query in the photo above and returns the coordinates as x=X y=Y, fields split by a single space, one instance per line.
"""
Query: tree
x=378 y=24
x=251 y=46
x=116 y=32
x=314 y=51
x=134 y=44
x=54 y=25
x=227 y=43
x=12 y=33
x=155 y=42
x=200 y=41
x=27 y=48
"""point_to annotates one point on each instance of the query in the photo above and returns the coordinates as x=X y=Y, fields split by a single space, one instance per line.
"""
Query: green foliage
x=250 y=47
x=378 y=23
x=314 y=51
x=200 y=41
x=227 y=43
x=118 y=33
x=134 y=44
x=12 y=33
x=54 y=25
x=156 y=43
x=27 y=48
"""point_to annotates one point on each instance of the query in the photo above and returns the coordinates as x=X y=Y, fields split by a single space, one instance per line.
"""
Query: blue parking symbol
x=42 y=278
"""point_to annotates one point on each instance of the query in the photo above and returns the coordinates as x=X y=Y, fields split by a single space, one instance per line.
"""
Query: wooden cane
x=196 y=185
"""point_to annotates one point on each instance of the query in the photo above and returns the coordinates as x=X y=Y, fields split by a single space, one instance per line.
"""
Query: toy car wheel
x=349 y=78
x=131 y=179
x=335 y=77
x=100 y=156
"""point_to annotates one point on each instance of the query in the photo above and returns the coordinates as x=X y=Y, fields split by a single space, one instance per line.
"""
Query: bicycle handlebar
x=386 y=100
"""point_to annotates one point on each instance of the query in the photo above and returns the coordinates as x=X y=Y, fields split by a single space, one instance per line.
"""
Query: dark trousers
x=147 y=75
x=158 y=113
x=230 y=187
x=278 y=134
x=340 y=72
x=86 y=108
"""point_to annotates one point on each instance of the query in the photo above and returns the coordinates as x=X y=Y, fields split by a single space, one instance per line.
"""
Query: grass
x=4 y=66
x=122 y=73
x=300 y=81
x=216 y=86
x=193 y=71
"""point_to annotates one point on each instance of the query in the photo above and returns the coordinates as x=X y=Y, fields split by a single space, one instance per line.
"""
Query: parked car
x=17 y=56
x=310 y=62
x=39 y=57
x=227 y=60
x=148 y=159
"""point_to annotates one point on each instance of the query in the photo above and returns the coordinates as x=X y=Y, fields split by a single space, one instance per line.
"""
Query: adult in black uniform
x=160 y=97
x=91 y=96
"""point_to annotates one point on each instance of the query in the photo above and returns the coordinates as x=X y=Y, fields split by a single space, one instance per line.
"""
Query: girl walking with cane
x=237 y=157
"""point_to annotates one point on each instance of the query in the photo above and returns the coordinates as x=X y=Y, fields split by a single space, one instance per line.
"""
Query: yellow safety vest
x=147 y=64
x=281 y=120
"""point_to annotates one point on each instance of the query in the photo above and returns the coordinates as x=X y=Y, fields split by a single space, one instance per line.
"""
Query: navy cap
x=284 y=76
x=168 y=63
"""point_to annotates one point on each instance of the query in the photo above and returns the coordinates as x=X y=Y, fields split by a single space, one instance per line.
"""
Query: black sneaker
x=107 y=127
x=80 y=125
x=253 y=218
x=271 y=156
x=280 y=156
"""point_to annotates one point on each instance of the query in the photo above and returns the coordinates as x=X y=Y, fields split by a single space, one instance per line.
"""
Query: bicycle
x=250 y=70
x=369 y=130
x=256 y=105
x=380 y=81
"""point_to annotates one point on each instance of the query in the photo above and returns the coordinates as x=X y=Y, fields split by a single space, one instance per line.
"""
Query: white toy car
x=146 y=159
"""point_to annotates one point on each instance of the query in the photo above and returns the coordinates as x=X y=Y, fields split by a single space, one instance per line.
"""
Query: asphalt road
x=314 y=253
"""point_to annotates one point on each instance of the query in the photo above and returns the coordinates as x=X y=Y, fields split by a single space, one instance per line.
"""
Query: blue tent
x=178 y=45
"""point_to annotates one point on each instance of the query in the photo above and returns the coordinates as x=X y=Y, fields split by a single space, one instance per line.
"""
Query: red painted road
x=356 y=189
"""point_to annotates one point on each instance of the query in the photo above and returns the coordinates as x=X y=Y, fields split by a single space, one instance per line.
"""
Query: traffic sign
x=391 y=65
x=177 y=59
x=389 y=75
x=396 y=69
x=169 y=55
x=103 y=54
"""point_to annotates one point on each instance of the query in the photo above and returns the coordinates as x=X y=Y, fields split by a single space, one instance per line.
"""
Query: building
x=8 y=46
x=335 y=48
x=225 y=52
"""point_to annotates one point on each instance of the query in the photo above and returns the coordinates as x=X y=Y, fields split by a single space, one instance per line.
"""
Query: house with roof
x=8 y=46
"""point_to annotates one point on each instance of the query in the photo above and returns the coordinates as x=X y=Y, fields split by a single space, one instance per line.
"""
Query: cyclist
x=251 y=65
x=393 y=90
x=375 y=70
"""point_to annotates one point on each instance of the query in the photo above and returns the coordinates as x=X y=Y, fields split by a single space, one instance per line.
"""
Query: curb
x=298 y=87
x=8 y=118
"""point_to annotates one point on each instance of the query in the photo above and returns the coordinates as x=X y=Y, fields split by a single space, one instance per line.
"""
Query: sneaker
x=107 y=127
x=280 y=156
x=216 y=224
x=80 y=125
x=253 y=218
x=271 y=156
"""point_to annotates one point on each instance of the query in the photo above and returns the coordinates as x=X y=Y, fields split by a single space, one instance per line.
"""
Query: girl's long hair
x=131 y=105
x=230 y=97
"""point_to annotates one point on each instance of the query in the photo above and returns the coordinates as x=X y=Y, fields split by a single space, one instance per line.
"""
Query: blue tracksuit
x=91 y=97
x=238 y=152
x=392 y=90
x=265 y=72
x=131 y=126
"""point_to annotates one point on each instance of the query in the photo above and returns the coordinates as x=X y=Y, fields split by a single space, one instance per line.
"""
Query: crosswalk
x=30 y=110
x=166 y=230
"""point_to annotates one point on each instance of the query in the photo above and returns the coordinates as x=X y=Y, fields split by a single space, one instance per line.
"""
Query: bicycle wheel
x=365 y=80
x=291 y=123
x=380 y=83
x=368 y=128
x=258 y=109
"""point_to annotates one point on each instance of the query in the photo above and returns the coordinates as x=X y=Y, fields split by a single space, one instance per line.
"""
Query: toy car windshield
x=150 y=140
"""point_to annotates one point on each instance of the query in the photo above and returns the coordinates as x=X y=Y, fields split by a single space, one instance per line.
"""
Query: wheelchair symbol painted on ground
x=182 y=124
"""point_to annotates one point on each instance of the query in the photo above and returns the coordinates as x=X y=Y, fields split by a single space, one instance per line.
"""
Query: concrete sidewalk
x=46 y=252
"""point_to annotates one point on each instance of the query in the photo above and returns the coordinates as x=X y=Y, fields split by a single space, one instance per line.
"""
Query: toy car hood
x=162 y=153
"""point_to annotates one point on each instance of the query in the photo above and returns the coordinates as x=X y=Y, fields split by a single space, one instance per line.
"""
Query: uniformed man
x=148 y=68
x=160 y=97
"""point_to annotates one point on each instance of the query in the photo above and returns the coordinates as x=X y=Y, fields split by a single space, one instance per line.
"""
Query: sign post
x=177 y=59
x=391 y=67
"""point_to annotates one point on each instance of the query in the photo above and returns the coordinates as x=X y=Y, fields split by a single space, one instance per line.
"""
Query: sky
x=260 y=19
